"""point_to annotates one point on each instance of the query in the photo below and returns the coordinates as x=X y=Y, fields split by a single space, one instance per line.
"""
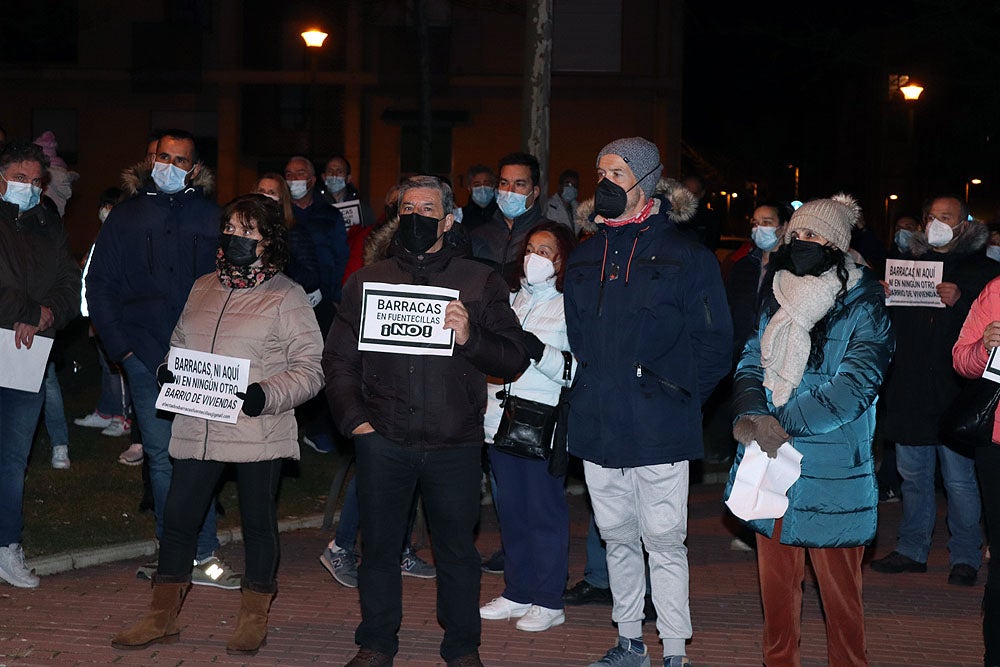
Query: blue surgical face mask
x=299 y=189
x=765 y=238
x=169 y=178
x=993 y=252
x=569 y=193
x=335 y=184
x=511 y=204
x=24 y=195
x=483 y=195
x=902 y=239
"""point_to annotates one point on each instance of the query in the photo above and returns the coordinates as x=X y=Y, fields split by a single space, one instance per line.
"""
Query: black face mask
x=806 y=258
x=611 y=199
x=239 y=250
x=418 y=232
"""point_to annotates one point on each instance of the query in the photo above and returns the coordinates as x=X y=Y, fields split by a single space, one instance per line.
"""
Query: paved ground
x=912 y=619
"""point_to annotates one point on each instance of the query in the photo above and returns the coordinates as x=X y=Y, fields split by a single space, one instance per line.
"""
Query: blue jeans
x=18 y=418
x=55 y=413
x=155 y=446
x=114 y=392
x=595 y=572
x=916 y=467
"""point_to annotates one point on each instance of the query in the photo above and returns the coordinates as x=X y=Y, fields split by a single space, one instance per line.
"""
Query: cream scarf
x=785 y=343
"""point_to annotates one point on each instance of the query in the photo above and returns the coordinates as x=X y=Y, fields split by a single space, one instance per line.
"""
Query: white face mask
x=938 y=233
x=299 y=188
x=103 y=213
x=537 y=269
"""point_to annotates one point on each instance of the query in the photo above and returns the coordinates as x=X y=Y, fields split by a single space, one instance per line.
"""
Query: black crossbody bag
x=526 y=427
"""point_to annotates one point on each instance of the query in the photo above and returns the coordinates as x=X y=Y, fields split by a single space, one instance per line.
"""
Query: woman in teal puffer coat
x=811 y=377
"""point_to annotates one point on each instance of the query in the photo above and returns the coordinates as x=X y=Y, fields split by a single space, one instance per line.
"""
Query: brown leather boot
x=160 y=624
x=251 y=625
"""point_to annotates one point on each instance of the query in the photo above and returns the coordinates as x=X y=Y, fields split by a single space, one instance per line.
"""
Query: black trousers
x=388 y=475
x=988 y=467
x=192 y=490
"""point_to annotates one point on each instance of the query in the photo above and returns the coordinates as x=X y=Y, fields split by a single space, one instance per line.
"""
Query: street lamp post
x=889 y=198
x=971 y=181
x=314 y=42
x=795 y=169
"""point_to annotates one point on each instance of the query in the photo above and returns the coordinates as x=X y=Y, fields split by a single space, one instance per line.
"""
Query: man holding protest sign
x=922 y=384
x=414 y=404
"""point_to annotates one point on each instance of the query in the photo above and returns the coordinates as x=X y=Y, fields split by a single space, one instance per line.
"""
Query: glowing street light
x=314 y=38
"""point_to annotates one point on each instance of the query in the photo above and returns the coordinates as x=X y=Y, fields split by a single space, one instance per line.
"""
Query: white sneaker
x=500 y=609
x=539 y=619
x=94 y=420
x=13 y=569
x=60 y=457
x=118 y=427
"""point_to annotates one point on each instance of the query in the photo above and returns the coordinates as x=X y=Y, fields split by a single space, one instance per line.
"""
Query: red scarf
x=639 y=217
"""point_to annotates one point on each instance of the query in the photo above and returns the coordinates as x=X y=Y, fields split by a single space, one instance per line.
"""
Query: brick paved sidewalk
x=912 y=619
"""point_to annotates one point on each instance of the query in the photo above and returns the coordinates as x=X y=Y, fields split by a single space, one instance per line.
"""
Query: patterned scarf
x=242 y=277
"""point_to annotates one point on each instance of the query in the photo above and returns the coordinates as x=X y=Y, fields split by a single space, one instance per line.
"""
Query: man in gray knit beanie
x=642 y=157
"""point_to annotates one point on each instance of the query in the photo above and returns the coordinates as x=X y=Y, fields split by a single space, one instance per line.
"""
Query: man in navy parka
x=648 y=321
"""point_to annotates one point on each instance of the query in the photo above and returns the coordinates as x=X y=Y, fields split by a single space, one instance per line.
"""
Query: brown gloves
x=765 y=429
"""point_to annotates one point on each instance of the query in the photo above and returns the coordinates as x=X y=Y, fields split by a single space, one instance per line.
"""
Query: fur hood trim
x=378 y=241
x=682 y=205
x=136 y=176
x=971 y=239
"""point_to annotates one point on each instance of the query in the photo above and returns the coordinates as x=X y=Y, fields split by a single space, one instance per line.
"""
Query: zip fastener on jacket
x=215 y=334
x=708 y=312
x=149 y=252
x=666 y=383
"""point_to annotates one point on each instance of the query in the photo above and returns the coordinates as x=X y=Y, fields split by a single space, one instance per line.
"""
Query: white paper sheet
x=762 y=482
x=204 y=385
x=23 y=369
x=405 y=319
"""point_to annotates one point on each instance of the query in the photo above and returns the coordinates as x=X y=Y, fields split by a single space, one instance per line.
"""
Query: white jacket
x=539 y=309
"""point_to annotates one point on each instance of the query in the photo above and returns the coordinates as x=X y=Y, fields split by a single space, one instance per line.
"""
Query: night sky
x=772 y=84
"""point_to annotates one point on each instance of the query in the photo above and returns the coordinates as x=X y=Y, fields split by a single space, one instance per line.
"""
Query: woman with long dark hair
x=250 y=310
x=810 y=377
x=534 y=518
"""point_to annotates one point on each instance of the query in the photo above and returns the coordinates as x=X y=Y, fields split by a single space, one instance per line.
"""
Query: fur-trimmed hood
x=378 y=241
x=971 y=239
x=135 y=178
x=682 y=203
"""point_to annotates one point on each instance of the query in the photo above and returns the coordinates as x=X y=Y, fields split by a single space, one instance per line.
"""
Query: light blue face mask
x=569 y=193
x=512 y=204
x=765 y=238
x=902 y=239
x=335 y=184
x=169 y=178
x=993 y=252
x=482 y=195
x=23 y=195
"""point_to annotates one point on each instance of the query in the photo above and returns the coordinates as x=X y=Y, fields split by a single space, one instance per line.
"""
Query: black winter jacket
x=36 y=268
x=921 y=381
x=427 y=402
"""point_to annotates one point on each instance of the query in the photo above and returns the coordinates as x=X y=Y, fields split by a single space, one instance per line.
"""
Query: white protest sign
x=405 y=319
x=23 y=368
x=351 y=210
x=913 y=283
x=992 y=370
x=204 y=385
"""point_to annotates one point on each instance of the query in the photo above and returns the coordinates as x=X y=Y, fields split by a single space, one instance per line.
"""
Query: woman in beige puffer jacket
x=249 y=310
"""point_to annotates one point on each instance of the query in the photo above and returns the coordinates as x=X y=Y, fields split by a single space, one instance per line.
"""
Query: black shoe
x=962 y=575
x=896 y=562
x=369 y=658
x=467 y=660
x=888 y=496
x=494 y=564
x=586 y=593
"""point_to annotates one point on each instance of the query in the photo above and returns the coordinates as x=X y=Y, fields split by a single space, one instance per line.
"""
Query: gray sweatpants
x=646 y=506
